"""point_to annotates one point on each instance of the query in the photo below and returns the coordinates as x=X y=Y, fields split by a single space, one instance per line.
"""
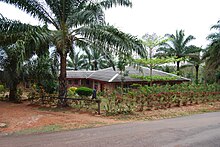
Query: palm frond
x=110 y=3
x=86 y=14
x=113 y=38
x=34 y=8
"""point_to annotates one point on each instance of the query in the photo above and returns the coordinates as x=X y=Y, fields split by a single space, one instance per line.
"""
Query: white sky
x=148 y=16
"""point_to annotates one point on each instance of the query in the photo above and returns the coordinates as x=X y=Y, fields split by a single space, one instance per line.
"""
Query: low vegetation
x=159 y=97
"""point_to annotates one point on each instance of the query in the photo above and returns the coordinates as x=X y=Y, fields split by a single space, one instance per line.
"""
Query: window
x=69 y=82
x=76 y=82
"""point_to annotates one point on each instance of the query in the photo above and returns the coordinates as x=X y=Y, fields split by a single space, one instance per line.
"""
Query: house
x=110 y=79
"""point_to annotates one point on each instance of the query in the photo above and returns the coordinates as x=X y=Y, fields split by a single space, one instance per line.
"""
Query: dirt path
x=24 y=116
x=32 y=118
x=201 y=130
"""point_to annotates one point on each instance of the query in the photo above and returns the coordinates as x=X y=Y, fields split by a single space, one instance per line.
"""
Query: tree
x=41 y=72
x=151 y=41
x=13 y=45
x=195 y=60
x=12 y=64
x=95 y=59
x=212 y=53
x=76 y=60
x=177 y=45
x=77 y=23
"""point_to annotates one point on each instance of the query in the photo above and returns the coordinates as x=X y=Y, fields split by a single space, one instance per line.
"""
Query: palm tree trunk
x=178 y=67
x=13 y=91
x=197 y=73
x=96 y=65
x=62 y=78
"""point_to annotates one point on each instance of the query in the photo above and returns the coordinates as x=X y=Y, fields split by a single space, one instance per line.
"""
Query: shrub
x=135 y=85
x=50 y=86
x=2 y=88
x=71 y=91
x=84 y=91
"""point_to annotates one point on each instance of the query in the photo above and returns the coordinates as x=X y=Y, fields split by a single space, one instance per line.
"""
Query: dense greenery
x=2 y=88
x=42 y=71
x=211 y=56
x=177 y=46
x=76 y=23
x=84 y=91
x=155 y=78
x=71 y=91
x=160 y=97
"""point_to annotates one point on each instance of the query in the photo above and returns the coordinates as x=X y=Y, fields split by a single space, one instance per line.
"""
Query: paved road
x=198 y=130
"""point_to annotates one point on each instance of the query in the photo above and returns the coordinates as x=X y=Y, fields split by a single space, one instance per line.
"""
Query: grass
x=44 y=129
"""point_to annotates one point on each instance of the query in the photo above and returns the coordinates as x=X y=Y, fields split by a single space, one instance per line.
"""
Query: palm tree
x=177 y=45
x=12 y=64
x=195 y=60
x=40 y=72
x=213 y=50
x=76 y=60
x=77 y=23
x=95 y=59
x=13 y=45
x=212 y=54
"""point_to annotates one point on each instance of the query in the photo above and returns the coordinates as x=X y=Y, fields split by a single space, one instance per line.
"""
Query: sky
x=153 y=16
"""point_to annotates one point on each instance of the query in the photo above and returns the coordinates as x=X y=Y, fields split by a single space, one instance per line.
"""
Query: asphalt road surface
x=201 y=130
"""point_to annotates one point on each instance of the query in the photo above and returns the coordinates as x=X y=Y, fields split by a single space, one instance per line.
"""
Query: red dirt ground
x=24 y=116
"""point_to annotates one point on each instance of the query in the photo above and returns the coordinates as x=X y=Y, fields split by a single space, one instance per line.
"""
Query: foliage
x=212 y=54
x=76 y=60
x=135 y=85
x=42 y=72
x=177 y=45
x=94 y=58
x=152 y=40
x=84 y=91
x=18 y=42
x=71 y=91
x=2 y=89
x=77 y=23
x=160 y=97
x=157 y=61
x=155 y=78
x=49 y=85
x=19 y=93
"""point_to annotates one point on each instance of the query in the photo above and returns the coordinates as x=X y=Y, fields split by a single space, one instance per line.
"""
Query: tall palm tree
x=177 y=45
x=195 y=60
x=212 y=54
x=17 y=46
x=12 y=64
x=213 y=50
x=77 y=23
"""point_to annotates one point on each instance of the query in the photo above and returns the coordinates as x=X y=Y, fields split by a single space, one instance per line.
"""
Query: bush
x=160 y=97
x=135 y=85
x=71 y=91
x=50 y=86
x=84 y=91
x=2 y=89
